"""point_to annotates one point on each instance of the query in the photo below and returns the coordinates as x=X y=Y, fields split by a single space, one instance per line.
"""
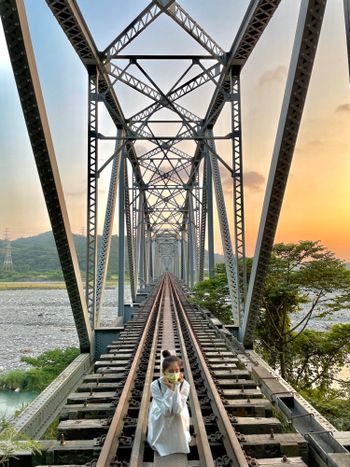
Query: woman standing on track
x=168 y=418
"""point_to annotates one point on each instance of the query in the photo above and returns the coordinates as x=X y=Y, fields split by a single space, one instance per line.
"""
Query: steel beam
x=71 y=20
x=197 y=224
x=231 y=270
x=182 y=255
x=256 y=19
x=147 y=90
x=136 y=27
x=92 y=196
x=191 y=243
x=203 y=224
x=129 y=238
x=238 y=195
x=142 y=249
x=138 y=239
x=194 y=83
x=180 y=16
x=121 y=239
x=104 y=250
x=151 y=272
x=209 y=190
x=302 y=59
x=35 y=419
x=24 y=67
x=190 y=57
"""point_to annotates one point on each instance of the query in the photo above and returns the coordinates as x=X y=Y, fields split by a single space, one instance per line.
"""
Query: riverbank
x=33 y=321
x=42 y=285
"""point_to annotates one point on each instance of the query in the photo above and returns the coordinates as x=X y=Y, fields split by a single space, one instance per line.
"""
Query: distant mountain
x=39 y=253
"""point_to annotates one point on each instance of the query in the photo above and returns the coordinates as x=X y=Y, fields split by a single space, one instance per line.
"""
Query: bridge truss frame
x=172 y=206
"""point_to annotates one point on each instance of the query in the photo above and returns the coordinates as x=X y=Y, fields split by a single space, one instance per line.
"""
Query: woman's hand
x=168 y=384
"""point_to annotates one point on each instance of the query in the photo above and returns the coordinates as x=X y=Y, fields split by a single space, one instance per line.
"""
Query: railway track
x=104 y=422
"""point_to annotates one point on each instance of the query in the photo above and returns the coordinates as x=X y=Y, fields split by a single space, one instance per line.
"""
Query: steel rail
x=141 y=427
x=203 y=446
x=230 y=440
x=110 y=445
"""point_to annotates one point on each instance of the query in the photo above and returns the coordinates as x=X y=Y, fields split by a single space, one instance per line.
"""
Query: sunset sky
x=317 y=200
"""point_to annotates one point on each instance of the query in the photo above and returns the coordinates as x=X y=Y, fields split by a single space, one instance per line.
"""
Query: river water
x=35 y=320
x=10 y=401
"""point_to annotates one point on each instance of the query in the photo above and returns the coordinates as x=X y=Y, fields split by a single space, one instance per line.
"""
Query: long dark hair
x=169 y=359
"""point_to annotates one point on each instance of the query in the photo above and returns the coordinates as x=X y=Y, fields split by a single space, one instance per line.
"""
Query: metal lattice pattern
x=104 y=249
x=237 y=175
x=91 y=254
x=166 y=214
x=231 y=269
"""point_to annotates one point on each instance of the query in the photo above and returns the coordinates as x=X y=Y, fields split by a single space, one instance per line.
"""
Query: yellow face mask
x=172 y=377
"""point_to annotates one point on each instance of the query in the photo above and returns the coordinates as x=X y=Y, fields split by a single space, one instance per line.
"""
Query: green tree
x=303 y=277
x=304 y=280
x=318 y=357
x=332 y=405
x=213 y=294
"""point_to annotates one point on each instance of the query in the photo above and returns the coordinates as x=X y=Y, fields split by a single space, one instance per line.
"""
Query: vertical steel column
x=151 y=275
x=121 y=246
x=182 y=255
x=92 y=195
x=144 y=236
x=134 y=225
x=129 y=239
x=197 y=225
x=146 y=255
x=191 y=241
x=187 y=251
x=104 y=250
x=175 y=257
x=138 y=216
x=142 y=247
x=238 y=193
x=179 y=259
x=225 y=233
x=203 y=225
x=186 y=254
x=156 y=259
x=209 y=192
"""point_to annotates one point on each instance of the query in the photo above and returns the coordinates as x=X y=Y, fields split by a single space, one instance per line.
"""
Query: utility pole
x=7 y=264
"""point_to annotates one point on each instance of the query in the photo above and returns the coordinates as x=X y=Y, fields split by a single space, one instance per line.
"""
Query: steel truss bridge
x=166 y=200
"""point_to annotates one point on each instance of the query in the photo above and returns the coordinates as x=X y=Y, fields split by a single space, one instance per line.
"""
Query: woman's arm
x=164 y=401
x=180 y=397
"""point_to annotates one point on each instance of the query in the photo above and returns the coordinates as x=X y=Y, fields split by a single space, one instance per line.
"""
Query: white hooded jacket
x=169 y=419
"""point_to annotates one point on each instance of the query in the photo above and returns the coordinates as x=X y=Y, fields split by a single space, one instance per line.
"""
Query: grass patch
x=51 y=432
x=31 y=285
